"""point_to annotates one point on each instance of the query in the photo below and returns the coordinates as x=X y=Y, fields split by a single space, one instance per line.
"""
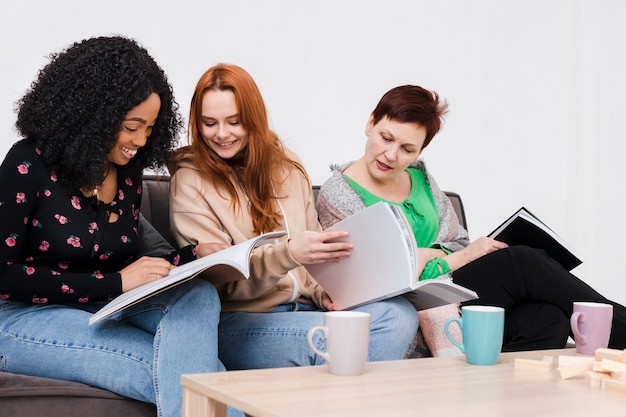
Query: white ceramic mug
x=346 y=341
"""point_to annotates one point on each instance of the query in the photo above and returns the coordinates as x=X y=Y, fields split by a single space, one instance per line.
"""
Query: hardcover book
x=524 y=228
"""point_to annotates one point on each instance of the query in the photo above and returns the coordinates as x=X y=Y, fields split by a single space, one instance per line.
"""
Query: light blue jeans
x=141 y=354
x=278 y=338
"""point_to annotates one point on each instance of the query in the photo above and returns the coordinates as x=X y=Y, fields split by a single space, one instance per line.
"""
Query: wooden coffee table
x=416 y=387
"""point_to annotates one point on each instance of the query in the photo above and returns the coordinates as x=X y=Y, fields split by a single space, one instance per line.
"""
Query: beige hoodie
x=199 y=213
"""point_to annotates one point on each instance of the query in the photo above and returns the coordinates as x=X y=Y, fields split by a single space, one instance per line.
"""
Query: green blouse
x=421 y=212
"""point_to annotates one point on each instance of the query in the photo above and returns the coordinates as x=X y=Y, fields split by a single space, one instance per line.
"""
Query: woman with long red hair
x=237 y=180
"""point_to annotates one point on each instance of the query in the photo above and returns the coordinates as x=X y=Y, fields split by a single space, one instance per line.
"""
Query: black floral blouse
x=57 y=247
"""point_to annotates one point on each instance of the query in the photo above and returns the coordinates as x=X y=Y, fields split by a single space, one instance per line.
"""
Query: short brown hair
x=412 y=104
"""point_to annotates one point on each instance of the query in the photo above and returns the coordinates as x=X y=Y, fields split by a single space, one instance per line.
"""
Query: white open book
x=230 y=264
x=384 y=263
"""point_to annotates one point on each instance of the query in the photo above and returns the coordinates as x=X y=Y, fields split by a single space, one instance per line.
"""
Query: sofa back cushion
x=155 y=204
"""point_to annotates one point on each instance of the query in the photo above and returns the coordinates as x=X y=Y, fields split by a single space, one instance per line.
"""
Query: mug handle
x=309 y=339
x=458 y=321
x=578 y=317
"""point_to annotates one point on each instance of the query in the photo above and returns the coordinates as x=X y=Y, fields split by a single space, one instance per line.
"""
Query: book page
x=381 y=264
x=437 y=292
x=229 y=264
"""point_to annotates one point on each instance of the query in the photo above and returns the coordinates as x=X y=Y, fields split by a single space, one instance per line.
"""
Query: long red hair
x=264 y=165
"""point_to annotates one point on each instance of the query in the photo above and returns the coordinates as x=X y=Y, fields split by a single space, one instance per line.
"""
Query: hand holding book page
x=524 y=228
x=383 y=263
x=230 y=264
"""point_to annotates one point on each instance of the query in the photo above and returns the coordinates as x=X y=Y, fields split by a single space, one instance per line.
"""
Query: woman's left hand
x=316 y=247
x=327 y=303
x=204 y=249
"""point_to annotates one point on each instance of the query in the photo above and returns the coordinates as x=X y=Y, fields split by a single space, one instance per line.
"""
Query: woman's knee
x=396 y=314
x=533 y=326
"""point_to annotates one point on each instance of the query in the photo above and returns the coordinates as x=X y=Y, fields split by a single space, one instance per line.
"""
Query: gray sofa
x=27 y=396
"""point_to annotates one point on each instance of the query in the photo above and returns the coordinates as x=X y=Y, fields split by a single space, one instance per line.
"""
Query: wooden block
x=612 y=366
x=565 y=360
x=613 y=354
x=576 y=369
x=597 y=379
x=597 y=367
x=543 y=366
x=616 y=385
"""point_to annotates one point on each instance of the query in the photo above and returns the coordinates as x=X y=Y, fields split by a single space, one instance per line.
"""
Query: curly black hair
x=74 y=109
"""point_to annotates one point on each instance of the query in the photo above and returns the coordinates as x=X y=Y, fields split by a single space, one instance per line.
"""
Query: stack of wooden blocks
x=606 y=369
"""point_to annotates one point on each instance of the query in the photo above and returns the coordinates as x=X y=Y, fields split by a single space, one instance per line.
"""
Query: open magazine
x=384 y=263
x=230 y=264
x=524 y=228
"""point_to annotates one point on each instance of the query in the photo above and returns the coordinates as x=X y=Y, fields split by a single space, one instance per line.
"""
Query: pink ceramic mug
x=591 y=324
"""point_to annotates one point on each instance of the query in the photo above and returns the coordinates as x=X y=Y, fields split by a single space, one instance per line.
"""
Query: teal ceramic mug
x=482 y=328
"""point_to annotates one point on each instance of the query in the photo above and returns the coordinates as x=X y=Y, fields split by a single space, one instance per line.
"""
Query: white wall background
x=536 y=90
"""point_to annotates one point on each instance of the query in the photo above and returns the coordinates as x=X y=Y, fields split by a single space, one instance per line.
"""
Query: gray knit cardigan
x=337 y=200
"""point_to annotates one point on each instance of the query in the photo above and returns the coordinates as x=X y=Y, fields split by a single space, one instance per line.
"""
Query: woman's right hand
x=473 y=251
x=315 y=247
x=143 y=270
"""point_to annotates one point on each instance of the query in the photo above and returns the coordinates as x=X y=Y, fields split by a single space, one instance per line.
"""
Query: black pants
x=537 y=294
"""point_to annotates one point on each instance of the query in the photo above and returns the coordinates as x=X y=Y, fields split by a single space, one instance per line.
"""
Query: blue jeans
x=141 y=354
x=278 y=338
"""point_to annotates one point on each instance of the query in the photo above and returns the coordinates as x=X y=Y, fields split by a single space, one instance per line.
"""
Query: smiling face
x=220 y=126
x=391 y=147
x=136 y=128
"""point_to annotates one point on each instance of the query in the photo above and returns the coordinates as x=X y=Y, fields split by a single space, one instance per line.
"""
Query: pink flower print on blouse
x=37 y=300
x=20 y=198
x=93 y=226
x=55 y=273
x=29 y=270
x=135 y=213
x=23 y=167
x=97 y=275
x=36 y=223
x=128 y=181
x=120 y=195
x=45 y=245
x=76 y=203
x=83 y=300
x=11 y=240
x=4 y=297
x=66 y=289
x=47 y=193
x=64 y=265
x=176 y=260
x=125 y=239
x=61 y=219
x=105 y=256
x=74 y=241
x=53 y=176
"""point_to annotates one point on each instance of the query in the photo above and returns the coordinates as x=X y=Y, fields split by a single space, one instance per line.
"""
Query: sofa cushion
x=27 y=396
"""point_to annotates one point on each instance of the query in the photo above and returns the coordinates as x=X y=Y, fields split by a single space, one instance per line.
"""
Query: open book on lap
x=230 y=264
x=383 y=263
x=524 y=228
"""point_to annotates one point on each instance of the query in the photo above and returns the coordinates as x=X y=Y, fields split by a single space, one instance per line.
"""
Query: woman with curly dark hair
x=97 y=115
